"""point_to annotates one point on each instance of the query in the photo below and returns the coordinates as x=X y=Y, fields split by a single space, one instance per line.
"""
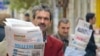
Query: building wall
x=78 y=9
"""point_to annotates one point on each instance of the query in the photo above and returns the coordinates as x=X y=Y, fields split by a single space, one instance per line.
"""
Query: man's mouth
x=42 y=27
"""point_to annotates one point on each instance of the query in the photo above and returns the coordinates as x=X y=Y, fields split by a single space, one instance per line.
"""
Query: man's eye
x=46 y=18
x=63 y=27
x=39 y=17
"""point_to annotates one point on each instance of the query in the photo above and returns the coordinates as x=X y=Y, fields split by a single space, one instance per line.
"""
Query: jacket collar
x=62 y=37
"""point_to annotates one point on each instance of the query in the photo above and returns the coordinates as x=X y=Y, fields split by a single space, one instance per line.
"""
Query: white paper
x=82 y=36
x=23 y=38
x=97 y=39
x=72 y=51
x=83 y=23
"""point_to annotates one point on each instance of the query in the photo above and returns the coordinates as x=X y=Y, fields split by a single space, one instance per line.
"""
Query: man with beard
x=42 y=17
x=63 y=32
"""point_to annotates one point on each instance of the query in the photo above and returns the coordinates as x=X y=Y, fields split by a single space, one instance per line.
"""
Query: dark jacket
x=2 y=33
x=91 y=47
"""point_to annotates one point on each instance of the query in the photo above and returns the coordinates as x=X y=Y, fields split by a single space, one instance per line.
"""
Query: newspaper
x=79 y=40
x=97 y=40
x=81 y=36
x=23 y=38
x=83 y=23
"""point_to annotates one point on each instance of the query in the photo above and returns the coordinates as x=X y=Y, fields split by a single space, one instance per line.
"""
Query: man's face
x=42 y=19
x=93 y=20
x=64 y=28
x=27 y=18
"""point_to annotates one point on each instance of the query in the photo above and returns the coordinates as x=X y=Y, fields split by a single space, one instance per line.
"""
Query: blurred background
x=70 y=9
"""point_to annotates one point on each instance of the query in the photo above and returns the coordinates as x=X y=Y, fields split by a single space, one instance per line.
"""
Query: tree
x=22 y=4
x=25 y=4
x=64 y=5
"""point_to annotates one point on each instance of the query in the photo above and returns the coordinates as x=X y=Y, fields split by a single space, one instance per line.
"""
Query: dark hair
x=27 y=14
x=40 y=8
x=63 y=20
x=89 y=16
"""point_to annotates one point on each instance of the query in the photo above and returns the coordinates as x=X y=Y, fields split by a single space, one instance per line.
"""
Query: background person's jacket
x=91 y=47
x=2 y=33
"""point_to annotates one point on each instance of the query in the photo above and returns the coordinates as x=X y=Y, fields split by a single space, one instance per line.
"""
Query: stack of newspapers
x=23 y=38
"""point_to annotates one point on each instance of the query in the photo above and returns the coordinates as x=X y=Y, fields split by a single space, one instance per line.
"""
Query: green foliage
x=25 y=4
x=22 y=4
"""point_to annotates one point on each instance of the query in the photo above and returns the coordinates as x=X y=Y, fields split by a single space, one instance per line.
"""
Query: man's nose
x=66 y=30
x=42 y=20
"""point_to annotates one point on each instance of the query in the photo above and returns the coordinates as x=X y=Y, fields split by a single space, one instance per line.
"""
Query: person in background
x=27 y=17
x=3 y=50
x=91 y=47
x=42 y=17
x=3 y=16
x=63 y=32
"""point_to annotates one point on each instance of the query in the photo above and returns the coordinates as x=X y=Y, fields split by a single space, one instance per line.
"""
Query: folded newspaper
x=79 y=40
x=23 y=38
x=82 y=35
